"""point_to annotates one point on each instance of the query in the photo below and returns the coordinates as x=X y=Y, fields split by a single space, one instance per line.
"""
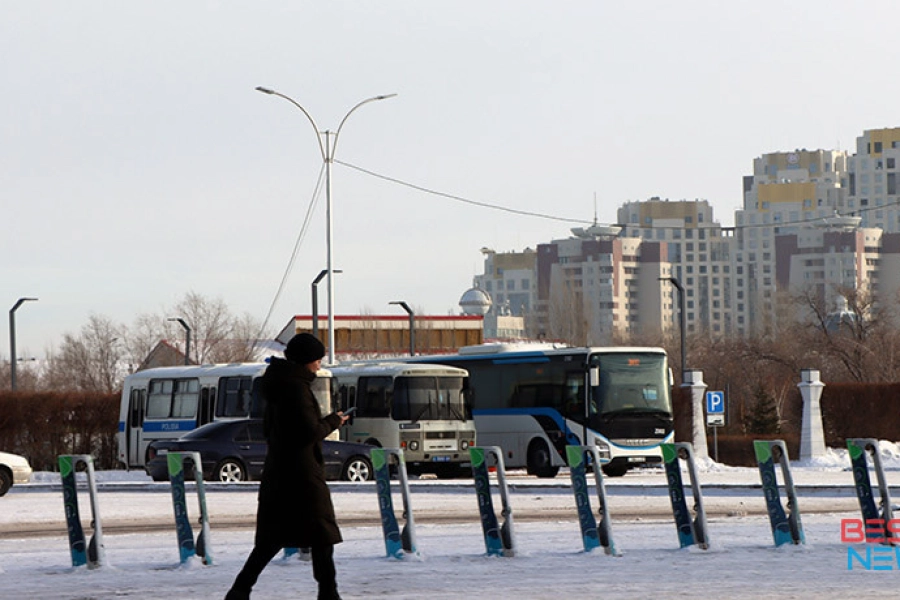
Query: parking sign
x=715 y=409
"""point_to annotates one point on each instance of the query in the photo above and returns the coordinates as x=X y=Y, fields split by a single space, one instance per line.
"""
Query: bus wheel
x=539 y=460
x=615 y=471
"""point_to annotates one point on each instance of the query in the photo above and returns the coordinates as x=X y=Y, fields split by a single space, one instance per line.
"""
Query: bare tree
x=89 y=361
x=142 y=337
x=857 y=340
x=211 y=325
x=242 y=345
x=566 y=318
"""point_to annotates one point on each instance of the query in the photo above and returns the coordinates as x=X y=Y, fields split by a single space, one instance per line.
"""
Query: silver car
x=13 y=469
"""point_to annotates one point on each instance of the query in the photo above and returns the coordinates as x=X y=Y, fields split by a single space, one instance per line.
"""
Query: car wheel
x=357 y=468
x=6 y=481
x=229 y=471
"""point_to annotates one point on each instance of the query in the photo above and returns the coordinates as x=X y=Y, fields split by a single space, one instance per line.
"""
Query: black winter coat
x=295 y=508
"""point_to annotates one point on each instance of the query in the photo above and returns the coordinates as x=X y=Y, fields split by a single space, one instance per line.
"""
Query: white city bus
x=533 y=400
x=167 y=402
x=422 y=409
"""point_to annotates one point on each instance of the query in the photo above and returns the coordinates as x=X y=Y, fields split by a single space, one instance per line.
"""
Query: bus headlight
x=413 y=445
x=464 y=445
x=603 y=450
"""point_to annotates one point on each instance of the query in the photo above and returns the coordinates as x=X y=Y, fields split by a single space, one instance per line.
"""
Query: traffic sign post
x=715 y=417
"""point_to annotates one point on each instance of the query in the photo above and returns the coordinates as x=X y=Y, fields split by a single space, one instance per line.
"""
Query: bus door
x=207 y=409
x=134 y=428
x=574 y=407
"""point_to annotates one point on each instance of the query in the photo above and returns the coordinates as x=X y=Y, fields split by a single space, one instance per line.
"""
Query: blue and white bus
x=533 y=400
x=167 y=402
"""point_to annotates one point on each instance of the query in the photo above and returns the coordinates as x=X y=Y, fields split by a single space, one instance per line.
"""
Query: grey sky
x=137 y=162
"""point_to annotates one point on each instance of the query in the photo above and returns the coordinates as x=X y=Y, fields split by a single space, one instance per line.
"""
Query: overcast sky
x=137 y=162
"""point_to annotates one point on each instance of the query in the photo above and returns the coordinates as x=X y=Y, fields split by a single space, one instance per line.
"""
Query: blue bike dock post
x=92 y=554
x=498 y=540
x=690 y=531
x=877 y=518
x=786 y=525
x=186 y=546
x=593 y=534
x=397 y=543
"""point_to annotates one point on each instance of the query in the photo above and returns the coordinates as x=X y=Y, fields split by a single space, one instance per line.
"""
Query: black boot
x=328 y=593
x=236 y=594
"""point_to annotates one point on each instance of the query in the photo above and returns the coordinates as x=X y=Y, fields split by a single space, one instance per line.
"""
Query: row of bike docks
x=498 y=527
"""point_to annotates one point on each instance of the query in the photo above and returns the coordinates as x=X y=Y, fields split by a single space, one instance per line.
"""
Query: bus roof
x=210 y=370
x=488 y=350
x=395 y=369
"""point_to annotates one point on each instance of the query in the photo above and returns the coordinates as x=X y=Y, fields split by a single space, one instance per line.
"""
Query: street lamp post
x=327 y=149
x=681 y=318
x=315 y=300
x=12 y=340
x=412 y=325
x=187 y=339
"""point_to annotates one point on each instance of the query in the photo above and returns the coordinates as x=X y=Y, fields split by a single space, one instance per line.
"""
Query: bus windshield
x=429 y=398
x=631 y=383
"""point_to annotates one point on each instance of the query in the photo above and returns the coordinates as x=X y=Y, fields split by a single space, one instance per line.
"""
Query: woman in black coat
x=295 y=509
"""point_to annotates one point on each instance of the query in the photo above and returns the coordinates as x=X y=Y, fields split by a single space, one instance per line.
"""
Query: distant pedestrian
x=295 y=508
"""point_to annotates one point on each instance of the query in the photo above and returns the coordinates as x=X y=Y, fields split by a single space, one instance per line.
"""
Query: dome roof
x=475 y=302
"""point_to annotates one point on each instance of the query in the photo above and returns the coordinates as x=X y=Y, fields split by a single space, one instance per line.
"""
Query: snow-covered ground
x=741 y=563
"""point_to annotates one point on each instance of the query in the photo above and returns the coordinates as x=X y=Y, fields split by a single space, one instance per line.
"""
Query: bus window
x=257 y=399
x=137 y=407
x=373 y=397
x=235 y=397
x=414 y=399
x=159 y=400
x=628 y=385
x=185 y=398
x=346 y=397
x=451 y=390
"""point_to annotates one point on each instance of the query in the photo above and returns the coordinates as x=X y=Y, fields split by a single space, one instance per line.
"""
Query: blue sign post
x=715 y=417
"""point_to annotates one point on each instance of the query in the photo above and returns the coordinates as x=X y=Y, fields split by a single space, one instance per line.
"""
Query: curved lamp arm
x=315 y=127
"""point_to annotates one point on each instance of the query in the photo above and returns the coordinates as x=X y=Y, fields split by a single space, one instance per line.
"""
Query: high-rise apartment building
x=599 y=283
x=819 y=221
x=510 y=279
x=787 y=192
x=872 y=190
x=700 y=252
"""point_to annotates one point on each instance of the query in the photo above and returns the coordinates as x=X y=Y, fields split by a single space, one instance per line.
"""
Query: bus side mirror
x=595 y=376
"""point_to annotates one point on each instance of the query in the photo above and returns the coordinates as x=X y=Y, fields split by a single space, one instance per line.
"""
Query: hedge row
x=43 y=425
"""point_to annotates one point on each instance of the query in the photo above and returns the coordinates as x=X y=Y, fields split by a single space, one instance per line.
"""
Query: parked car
x=13 y=469
x=236 y=451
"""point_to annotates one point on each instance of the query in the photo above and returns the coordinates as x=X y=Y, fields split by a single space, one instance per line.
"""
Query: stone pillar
x=812 y=434
x=694 y=380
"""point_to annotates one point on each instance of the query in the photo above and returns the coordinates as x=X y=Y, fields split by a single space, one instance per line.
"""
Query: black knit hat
x=304 y=349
